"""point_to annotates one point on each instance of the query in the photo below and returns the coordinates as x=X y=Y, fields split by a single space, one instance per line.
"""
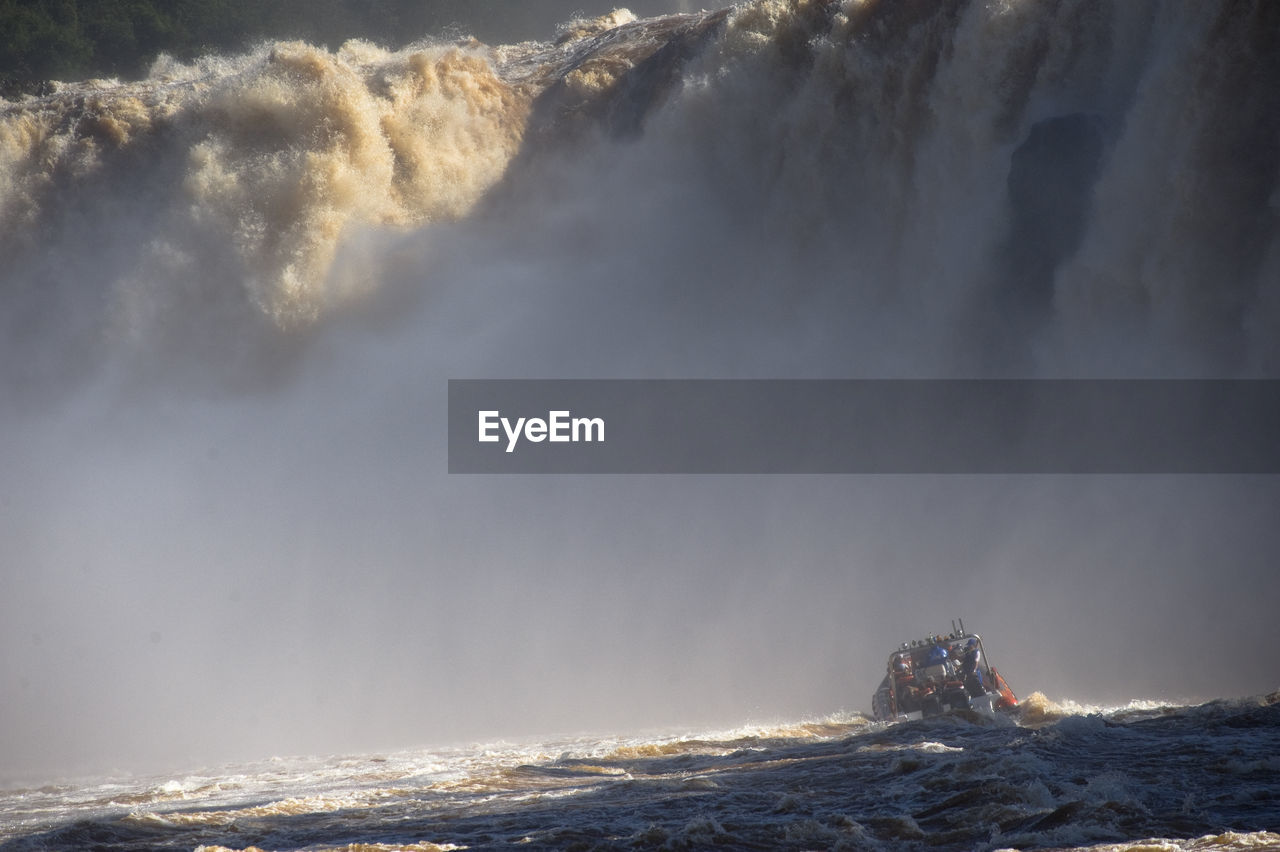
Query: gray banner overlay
x=864 y=426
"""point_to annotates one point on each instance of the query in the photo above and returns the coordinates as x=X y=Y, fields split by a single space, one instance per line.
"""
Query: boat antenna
x=962 y=627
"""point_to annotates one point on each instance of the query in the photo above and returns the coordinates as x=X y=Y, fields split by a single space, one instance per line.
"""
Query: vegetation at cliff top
x=42 y=40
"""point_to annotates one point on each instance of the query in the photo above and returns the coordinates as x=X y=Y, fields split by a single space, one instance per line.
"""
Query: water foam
x=867 y=144
x=262 y=164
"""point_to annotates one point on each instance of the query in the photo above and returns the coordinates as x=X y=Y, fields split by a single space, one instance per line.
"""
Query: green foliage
x=43 y=40
x=40 y=41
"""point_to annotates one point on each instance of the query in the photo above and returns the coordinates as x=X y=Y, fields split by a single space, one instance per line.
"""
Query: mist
x=226 y=527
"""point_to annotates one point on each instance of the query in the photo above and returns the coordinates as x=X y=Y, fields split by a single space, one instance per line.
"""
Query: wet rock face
x=614 y=79
x=1050 y=190
x=1051 y=177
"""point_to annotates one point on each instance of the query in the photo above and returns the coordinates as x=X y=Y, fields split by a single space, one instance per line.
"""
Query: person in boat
x=935 y=667
x=908 y=692
x=969 y=668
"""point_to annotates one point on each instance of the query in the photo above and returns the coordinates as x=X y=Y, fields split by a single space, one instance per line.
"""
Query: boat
x=941 y=674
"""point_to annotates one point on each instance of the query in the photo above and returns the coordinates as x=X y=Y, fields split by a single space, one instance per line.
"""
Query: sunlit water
x=1052 y=775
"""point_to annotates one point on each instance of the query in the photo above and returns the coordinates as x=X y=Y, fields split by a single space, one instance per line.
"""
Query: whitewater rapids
x=1147 y=776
